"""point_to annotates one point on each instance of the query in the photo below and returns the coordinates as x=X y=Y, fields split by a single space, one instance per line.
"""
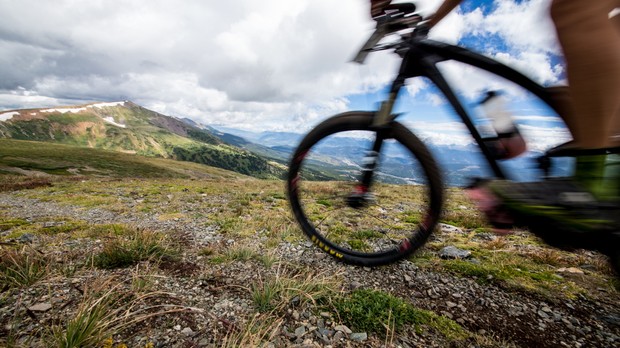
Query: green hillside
x=129 y=128
x=39 y=158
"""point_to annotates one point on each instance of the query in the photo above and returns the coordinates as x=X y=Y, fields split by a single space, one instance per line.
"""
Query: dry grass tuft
x=20 y=268
x=107 y=307
x=260 y=329
x=275 y=294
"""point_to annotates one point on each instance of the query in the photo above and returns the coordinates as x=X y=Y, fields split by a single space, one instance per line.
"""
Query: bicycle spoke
x=382 y=222
x=325 y=218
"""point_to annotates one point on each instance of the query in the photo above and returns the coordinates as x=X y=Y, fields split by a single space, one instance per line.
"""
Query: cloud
x=519 y=34
x=273 y=64
x=415 y=86
x=524 y=25
x=442 y=133
x=24 y=99
x=246 y=60
x=540 y=138
x=538 y=118
x=455 y=25
x=436 y=99
x=543 y=135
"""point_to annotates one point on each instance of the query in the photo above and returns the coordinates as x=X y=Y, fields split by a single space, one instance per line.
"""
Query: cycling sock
x=600 y=175
x=611 y=176
x=589 y=173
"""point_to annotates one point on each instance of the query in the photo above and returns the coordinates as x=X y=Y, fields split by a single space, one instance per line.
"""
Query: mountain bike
x=363 y=187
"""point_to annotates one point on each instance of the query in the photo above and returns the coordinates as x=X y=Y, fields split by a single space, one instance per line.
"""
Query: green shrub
x=375 y=311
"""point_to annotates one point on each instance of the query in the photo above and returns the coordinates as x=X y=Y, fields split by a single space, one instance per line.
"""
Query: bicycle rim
x=393 y=219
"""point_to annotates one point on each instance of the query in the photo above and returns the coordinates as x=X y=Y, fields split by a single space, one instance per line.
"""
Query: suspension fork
x=370 y=164
x=380 y=124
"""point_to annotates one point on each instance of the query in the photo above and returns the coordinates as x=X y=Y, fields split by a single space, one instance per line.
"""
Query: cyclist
x=589 y=34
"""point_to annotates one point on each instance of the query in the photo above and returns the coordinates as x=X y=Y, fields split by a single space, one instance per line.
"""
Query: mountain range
x=459 y=164
x=130 y=128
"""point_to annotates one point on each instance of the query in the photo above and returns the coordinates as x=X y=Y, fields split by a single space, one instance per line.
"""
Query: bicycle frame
x=420 y=59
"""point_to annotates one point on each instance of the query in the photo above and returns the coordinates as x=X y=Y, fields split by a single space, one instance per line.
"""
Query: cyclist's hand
x=377 y=7
x=423 y=28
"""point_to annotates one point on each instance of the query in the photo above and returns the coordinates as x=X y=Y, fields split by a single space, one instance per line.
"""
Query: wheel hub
x=360 y=200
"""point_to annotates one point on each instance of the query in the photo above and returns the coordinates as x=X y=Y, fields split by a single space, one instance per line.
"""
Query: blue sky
x=275 y=65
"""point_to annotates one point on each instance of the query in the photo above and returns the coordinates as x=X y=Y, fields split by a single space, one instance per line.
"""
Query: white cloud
x=525 y=25
x=536 y=65
x=526 y=41
x=436 y=99
x=442 y=133
x=26 y=99
x=538 y=137
x=537 y=118
x=455 y=25
x=274 y=64
x=416 y=85
x=544 y=138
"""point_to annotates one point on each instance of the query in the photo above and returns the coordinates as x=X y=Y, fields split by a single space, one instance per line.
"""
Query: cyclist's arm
x=377 y=7
x=446 y=7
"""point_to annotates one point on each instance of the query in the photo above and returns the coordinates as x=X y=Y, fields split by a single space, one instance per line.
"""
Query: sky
x=277 y=65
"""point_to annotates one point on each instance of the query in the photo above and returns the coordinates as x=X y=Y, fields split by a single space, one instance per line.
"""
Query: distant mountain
x=263 y=144
x=267 y=138
x=340 y=158
x=130 y=128
x=272 y=139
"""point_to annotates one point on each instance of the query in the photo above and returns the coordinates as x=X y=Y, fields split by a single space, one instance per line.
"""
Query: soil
x=216 y=298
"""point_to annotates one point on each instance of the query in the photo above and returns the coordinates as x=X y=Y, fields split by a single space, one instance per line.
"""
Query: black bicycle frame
x=420 y=59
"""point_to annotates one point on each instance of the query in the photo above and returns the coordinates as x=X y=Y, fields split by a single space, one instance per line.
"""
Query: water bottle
x=509 y=143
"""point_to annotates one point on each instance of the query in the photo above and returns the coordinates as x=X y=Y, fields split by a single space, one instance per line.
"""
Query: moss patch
x=376 y=311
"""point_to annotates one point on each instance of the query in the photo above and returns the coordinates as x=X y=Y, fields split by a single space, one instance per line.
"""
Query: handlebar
x=396 y=17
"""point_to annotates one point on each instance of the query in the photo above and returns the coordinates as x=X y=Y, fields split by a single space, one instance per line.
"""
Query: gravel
x=220 y=301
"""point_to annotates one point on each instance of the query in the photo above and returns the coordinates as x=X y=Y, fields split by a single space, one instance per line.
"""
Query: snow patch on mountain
x=105 y=105
x=76 y=110
x=65 y=110
x=111 y=121
x=8 y=115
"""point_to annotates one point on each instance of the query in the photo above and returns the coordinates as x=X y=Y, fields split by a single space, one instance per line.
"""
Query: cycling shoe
x=493 y=209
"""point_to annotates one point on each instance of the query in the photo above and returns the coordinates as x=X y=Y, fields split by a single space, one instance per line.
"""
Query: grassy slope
x=59 y=159
x=254 y=214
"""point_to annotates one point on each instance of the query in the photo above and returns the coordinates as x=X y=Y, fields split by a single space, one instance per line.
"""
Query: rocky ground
x=207 y=297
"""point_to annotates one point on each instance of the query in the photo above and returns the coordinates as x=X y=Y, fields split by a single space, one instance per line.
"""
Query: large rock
x=452 y=252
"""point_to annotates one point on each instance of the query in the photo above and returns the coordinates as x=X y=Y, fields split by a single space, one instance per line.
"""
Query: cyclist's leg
x=591 y=46
x=564 y=212
x=564 y=105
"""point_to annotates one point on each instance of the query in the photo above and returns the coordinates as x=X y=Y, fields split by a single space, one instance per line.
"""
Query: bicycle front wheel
x=381 y=225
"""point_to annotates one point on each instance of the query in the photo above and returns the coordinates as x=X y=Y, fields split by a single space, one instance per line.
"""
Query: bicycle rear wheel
x=387 y=223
